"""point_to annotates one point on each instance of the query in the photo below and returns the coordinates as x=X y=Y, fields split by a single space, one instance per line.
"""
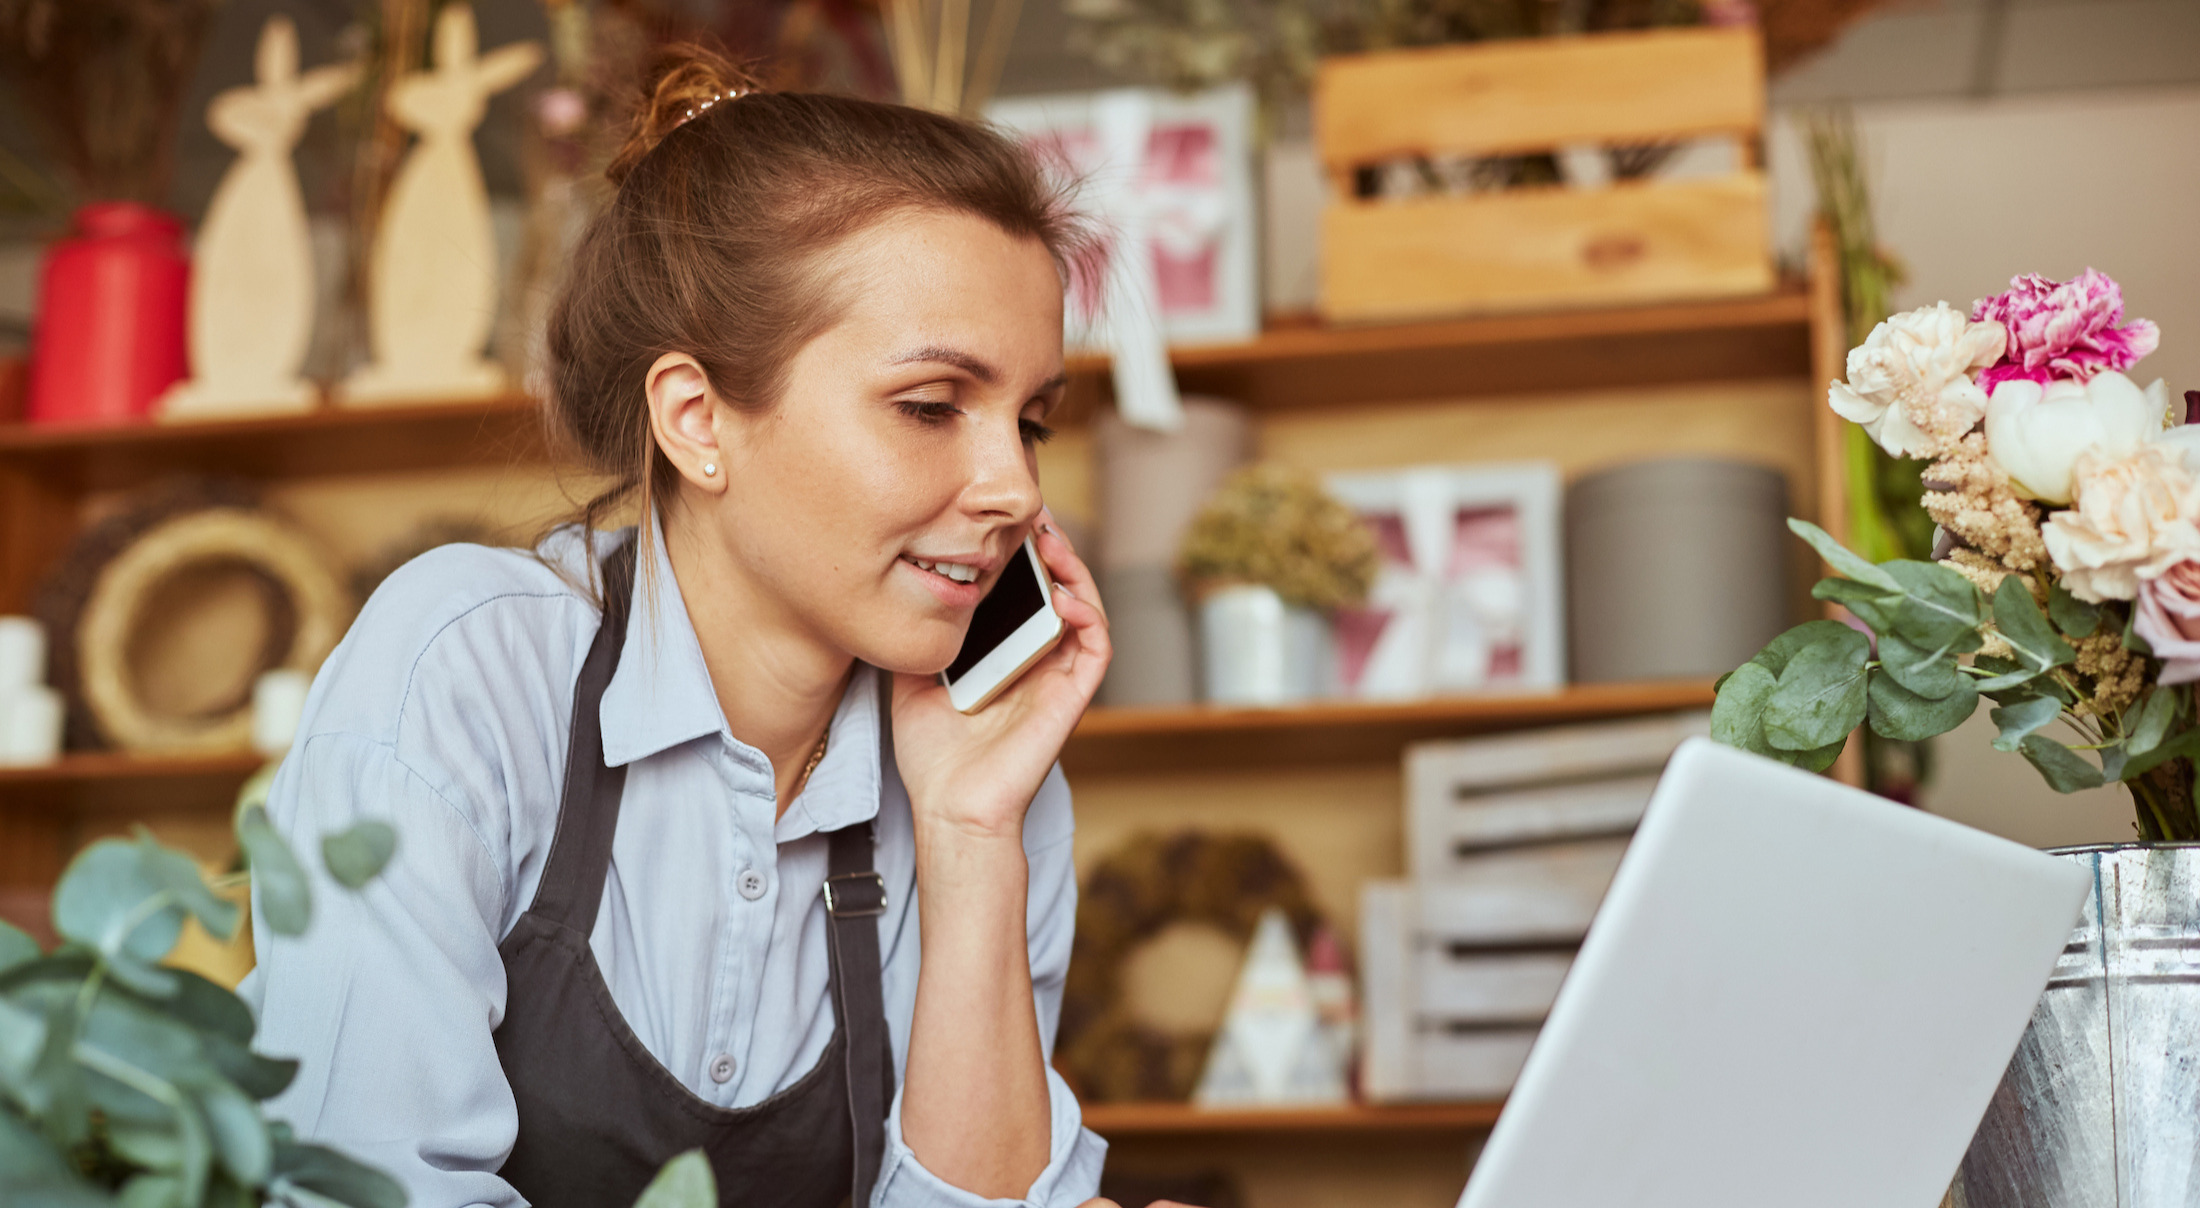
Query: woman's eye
x=930 y=412
x=1036 y=432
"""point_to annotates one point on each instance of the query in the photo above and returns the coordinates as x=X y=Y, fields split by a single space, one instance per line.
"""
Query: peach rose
x=2134 y=518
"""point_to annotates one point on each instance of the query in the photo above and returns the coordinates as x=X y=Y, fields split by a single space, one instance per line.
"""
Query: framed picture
x=1469 y=597
x=1188 y=199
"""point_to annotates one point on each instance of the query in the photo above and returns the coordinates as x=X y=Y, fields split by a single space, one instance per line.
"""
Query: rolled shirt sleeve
x=403 y=977
x=1075 y=1154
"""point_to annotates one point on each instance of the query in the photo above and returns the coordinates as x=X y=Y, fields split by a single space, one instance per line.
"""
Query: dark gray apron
x=598 y=1115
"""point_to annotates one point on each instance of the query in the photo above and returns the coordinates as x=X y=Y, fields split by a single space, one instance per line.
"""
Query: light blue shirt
x=445 y=711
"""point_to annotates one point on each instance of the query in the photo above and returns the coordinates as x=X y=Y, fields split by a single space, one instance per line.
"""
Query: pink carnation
x=2063 y=329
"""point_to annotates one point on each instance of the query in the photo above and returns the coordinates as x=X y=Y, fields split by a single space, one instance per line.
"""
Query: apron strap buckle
x=854 y=895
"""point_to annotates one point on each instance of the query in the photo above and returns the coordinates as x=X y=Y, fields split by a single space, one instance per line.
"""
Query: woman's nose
x=1003 y=483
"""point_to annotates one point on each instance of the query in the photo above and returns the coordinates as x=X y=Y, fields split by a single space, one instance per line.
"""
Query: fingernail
x=1048 y=529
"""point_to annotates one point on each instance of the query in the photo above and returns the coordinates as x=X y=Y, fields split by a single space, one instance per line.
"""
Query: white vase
x=1258 y=650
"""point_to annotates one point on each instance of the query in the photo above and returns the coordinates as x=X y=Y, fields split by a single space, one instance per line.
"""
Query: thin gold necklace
x=816 y=757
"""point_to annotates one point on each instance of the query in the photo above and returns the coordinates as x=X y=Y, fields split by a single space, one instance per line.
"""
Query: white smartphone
x=1012 y=628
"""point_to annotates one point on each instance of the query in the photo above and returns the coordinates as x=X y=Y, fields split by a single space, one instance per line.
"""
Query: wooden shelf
x=1108 y=740
x=1193 y=736
x=106 y=779
x=1121 y=1121
x=1297 y=362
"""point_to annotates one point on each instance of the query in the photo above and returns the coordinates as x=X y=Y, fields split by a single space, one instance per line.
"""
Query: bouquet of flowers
x=2065 y=577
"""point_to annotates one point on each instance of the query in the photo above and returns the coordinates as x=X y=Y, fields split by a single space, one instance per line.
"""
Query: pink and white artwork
x=1187 y=202
x=1467 y=598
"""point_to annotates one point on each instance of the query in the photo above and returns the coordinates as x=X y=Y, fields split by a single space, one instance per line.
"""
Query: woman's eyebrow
x=950 y=356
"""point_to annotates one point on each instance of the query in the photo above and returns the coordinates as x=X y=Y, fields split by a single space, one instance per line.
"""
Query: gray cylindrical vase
x=1150 y=627
x=1675 y=568
x=1151 y=484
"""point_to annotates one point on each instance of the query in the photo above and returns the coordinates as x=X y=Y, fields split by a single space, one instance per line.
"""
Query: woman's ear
x=683 y=417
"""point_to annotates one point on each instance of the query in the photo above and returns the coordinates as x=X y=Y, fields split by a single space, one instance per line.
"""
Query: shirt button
x=721 y=1069
x=751 y=884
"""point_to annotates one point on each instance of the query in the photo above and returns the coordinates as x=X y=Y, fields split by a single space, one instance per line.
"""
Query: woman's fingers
x=1062 y=562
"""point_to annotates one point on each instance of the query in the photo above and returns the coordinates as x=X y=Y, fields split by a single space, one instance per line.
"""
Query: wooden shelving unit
x=1123 y=1121
x=1108 y=740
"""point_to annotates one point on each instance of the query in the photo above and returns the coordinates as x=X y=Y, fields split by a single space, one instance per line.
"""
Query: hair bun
x=685 y=79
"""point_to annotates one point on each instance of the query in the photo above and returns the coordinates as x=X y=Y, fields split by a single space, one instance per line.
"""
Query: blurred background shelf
x=1108 y=740
x=1296 y=363
x=1336 y=732
x=1119 y=1121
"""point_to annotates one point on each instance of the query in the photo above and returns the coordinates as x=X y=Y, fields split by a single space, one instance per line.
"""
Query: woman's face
x=879 y=501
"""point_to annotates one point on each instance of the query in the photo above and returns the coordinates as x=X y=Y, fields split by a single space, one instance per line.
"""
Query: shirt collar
x=661 y=696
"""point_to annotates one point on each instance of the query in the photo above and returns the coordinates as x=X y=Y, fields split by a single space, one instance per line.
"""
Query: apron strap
x=572 y=879
x=855 y=895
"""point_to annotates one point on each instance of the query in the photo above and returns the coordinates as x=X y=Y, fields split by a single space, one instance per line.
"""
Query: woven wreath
x=1226 y=881
x=111 y=579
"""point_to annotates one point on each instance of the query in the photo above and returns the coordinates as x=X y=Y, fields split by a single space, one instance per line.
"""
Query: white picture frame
x=1422 y=616
x=1199 y=214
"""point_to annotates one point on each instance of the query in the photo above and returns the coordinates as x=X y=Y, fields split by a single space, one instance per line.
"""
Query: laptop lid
x=1795 y=993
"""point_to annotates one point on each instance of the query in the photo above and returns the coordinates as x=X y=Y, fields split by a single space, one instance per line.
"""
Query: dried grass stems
x=106 y=79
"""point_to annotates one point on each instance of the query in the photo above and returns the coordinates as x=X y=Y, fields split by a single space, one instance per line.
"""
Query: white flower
x=1910 y=380
x=2037 y=435
x=2136 y=516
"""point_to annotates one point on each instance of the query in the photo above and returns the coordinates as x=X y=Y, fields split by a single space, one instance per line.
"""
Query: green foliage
x=1277 y=527
x=1801 y=696
x=127 y=1083
x=684 y=1182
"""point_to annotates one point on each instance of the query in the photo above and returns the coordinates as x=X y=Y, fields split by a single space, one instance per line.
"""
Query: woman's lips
x=949 y=591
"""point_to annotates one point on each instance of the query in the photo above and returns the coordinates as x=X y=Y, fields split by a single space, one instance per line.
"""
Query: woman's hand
x=977 y=774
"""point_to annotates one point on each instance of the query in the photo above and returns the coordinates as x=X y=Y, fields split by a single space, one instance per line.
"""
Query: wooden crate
x=1542 y=247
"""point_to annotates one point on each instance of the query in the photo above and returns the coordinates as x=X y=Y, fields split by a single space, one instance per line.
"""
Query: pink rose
x=2063 y=329
x=2169 y=619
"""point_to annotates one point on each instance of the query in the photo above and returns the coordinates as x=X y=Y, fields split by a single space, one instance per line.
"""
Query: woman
x=816 y=341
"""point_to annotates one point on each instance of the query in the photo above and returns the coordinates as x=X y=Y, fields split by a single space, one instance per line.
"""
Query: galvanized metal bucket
x=2100 y=1108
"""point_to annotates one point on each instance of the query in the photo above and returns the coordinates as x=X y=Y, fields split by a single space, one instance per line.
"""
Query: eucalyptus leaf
x=1898 y=713
x=2151 y=724
x=2132 y=641
x=174 y=872
x=2017 y=616
x=356 y=856
x=2070 y=614
x=16 y=946
x=1817 y=760
x=1821 y=697
x=240 y=1138
x=22 y=1039
x=151 y=1191
x=1875 y=607
x=325 y=1172
x=2022 y=718
x=1841 y=558
x=109 y=901
x=2181 y=745
x=279 y=884
x=33 y=1172
x=2003 y=678
x=1738 y=713
x=1933 y=673
x=684 y=1182
x=1939 y=607
x=2064 y=769
x=1774 y=657
x=148 y=979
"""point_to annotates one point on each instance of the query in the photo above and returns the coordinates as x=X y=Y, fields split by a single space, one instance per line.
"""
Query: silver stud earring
x=710 y=469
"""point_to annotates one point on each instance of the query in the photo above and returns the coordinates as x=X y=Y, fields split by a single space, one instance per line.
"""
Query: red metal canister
x=110 y=333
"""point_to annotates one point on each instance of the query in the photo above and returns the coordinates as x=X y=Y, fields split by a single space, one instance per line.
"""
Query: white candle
x=22 y=653
x=30 y=725
x=278 y=701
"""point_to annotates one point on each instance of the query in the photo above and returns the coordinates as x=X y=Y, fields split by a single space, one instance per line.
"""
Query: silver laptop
x=1794 y=994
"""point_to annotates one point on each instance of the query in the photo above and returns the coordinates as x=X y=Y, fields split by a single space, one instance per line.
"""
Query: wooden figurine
x=432 y=276
x=252 y=296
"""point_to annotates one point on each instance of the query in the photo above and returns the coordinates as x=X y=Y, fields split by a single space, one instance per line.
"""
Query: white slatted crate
x=1471 y=798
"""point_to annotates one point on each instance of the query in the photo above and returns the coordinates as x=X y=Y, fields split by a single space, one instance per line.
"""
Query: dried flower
x=2168 y=617
x=2037 y=434
x=2117 y=675
x=2135 y=518
x=2066 y=329
x=1979 y=507
x=1909 y=382
x=1276 y=526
